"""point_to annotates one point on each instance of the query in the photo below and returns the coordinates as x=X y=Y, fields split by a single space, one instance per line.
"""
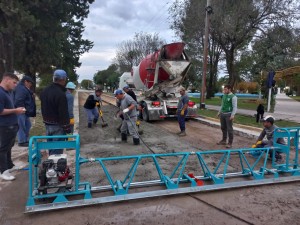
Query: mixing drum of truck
x=159 y=76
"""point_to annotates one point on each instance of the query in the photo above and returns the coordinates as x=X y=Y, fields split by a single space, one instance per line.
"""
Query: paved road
x=286 y=108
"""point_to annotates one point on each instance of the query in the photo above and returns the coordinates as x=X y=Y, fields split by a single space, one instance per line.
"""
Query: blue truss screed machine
x=216 y=175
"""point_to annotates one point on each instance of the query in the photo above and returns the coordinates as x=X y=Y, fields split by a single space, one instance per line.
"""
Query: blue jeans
x=181 y=120
x=24 y=128
x=7 y=141
x=52 y=130
x=92 y=114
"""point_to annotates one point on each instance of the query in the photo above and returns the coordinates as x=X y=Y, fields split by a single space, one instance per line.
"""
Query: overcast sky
x=112 y=21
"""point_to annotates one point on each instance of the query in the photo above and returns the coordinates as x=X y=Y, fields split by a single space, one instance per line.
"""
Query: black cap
x=27 y=78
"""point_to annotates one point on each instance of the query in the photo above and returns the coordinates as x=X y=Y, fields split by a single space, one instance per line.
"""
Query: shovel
x=104 y=124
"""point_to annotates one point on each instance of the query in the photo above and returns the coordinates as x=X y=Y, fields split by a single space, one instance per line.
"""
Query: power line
x=154 y=20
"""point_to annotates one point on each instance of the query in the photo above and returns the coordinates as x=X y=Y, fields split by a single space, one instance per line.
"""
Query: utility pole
x=205 y=53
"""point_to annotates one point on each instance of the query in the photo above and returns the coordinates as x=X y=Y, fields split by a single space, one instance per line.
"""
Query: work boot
x=222 y=142
x=95 y=121
x=136 y=141
x=7 y=176
x=182 y=133
x=119 y=128
x=124 y=137
x=89 y=125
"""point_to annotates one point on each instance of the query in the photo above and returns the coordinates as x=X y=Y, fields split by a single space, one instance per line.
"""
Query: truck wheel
x=146 y=114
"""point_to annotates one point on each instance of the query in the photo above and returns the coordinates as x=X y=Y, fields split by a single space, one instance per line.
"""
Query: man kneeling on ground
x=268 y=131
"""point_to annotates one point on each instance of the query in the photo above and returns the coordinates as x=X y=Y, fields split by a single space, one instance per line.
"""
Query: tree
x=87 y=84
x=129 y=53
x=108 y=77
x=234 y=24
x=276 y=49
x=183 y=16
x=49 y=34
x=14 y=20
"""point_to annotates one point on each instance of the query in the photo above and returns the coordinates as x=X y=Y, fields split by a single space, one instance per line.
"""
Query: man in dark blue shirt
x=8 y=123
x=182 y=110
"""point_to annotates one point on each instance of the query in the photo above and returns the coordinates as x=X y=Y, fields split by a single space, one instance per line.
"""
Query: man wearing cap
x=24 y=97
x=55 y=108
x=268 y=132
x=92 y=106
x=182 y=110
x=70 y=99
x=128 y=91
x=128 y=108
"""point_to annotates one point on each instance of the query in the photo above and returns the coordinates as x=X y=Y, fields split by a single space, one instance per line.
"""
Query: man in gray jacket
x=268 y=132
x=128 y=108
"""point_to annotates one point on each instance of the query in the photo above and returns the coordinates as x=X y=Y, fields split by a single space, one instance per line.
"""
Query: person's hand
x=253 y=146
x=259 y=143
x=72 y=121
x=182 y=112
x=20 y=110
x=98 y=105
x=218 y=115
x=231 y=118
x=125 y=110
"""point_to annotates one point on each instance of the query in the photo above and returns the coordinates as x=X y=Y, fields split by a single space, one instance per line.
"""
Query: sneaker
x=24 y=144
x=7 y=176
x=222 y=142
x=228 y=146
x=14 y=168
x=179 y=132
x=182 y=134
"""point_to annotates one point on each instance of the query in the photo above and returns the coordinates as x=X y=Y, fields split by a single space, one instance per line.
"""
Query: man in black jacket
x=55 y=108
x=92 y=106
x=129 y=92
x=24 y=97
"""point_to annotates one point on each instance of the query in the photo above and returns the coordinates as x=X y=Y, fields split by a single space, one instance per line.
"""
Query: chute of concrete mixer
x=167 y=65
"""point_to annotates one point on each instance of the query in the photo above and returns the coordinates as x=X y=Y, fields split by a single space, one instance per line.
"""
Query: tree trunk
x=6 y=54
x=230 y=67
x=213 y=72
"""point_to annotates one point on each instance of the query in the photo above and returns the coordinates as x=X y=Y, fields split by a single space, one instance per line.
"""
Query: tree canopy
x=235 y=25
x=129 y=53
x=108 y=77
x=37 y=36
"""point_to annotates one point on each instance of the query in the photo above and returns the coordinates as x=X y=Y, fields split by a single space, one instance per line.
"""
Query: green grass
x=297 y=98
x=243 y=103
x=247 y=120
x=38 y=127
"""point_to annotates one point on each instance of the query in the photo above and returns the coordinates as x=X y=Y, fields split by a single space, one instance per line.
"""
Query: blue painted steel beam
x=255 y=169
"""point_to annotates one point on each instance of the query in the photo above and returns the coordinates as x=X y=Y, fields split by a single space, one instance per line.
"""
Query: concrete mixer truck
x=157 y=78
